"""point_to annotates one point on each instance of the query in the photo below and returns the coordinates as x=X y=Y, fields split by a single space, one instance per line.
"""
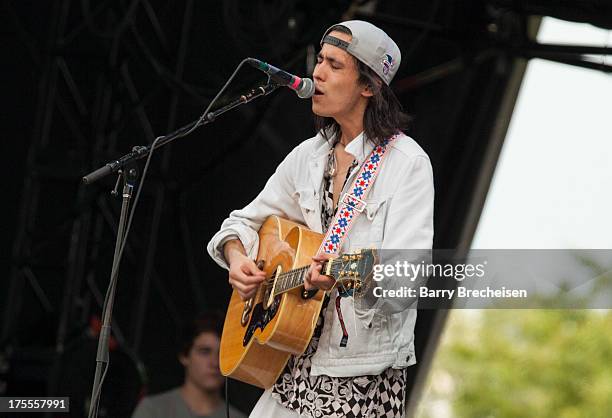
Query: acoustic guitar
x=261 y=333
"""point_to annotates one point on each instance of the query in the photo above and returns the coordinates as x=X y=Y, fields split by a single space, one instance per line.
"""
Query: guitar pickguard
x=260 y=317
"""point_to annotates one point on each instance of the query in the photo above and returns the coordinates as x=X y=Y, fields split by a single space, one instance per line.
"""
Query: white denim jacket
x=398 y=215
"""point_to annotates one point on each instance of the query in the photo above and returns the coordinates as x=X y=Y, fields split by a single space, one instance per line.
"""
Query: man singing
x=355 y=364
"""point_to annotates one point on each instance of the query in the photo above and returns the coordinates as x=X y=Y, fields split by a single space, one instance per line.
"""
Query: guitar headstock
x=352 y=269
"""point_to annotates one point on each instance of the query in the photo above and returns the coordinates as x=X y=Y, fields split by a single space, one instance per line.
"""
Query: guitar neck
x=290 y=280
x=293 y=279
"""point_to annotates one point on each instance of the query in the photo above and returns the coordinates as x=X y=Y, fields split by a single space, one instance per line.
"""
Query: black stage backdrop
x=85 y=81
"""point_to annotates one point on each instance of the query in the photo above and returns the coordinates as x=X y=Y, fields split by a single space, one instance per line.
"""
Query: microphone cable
x=226 y=397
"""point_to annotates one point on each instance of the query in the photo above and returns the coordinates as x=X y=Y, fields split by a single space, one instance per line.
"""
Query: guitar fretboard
x=295 y=278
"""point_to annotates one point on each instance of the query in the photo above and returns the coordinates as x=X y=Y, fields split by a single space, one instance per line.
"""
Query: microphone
x=303 y=87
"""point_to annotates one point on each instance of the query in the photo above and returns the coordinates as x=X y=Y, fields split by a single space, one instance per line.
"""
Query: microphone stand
x=102 y=355
x=129 y=179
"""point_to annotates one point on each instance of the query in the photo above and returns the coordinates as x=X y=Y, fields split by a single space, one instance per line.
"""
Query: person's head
x=356 y=63
x=199 y=352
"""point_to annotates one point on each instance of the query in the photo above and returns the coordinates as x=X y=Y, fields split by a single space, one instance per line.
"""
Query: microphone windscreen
x=307 y=90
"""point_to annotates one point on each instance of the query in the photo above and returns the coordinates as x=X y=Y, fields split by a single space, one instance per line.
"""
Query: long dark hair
x=383 y=116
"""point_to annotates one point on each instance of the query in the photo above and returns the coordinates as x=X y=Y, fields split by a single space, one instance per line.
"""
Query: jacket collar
x=360 y=147
x=318 y=161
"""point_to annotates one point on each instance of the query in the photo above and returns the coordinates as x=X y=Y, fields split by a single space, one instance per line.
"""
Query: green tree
x=545 y=363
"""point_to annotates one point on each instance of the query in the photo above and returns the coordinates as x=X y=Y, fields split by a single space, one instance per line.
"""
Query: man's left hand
x=314 y=278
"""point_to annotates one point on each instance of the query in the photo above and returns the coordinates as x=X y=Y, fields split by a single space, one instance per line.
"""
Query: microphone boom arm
x=141 y=151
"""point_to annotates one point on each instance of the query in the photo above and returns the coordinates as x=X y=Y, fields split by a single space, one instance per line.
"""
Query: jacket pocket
x=363 y=341
x=368 y=231
x=307 y=202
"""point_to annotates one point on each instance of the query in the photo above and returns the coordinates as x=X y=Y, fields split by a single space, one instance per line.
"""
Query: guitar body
x=257 y=341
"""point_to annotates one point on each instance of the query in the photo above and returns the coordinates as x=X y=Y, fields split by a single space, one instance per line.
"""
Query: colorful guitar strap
x=349 y=208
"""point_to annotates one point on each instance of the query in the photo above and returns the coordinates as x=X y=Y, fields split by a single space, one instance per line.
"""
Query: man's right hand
x=244 y=276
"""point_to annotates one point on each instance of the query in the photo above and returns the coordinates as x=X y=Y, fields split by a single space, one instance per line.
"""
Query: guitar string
x=289 y=279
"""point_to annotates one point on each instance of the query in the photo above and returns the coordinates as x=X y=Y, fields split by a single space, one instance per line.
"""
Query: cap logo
x=387 y=64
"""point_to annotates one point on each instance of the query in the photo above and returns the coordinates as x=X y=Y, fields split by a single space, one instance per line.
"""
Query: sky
x=552 y=187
